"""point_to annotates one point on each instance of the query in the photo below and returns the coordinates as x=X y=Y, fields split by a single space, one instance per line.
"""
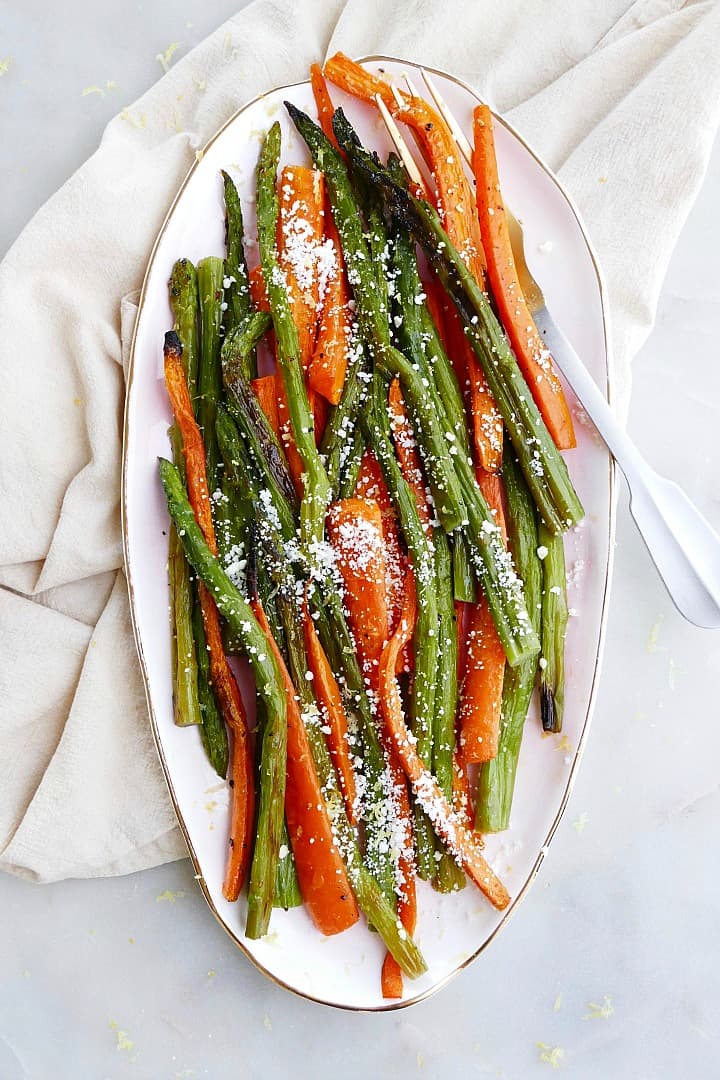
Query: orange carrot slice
x=371 y=485
x=329 y=698
x=328 y=367
x=258 y=292
x=321 y=873
x=481 y=696
x=323 y=103
x=532 y=356
x=300 y=236
x=354 y=528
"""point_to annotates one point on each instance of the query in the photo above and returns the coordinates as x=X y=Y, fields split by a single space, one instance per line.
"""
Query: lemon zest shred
x=600 y=1012
x=551 y=1055
x=164 y=59
x=170 y=896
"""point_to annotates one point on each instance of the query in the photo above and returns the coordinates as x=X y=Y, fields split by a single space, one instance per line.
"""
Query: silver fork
x=681 y=542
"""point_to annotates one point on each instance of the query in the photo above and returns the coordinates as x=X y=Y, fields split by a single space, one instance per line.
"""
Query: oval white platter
x=345 y=970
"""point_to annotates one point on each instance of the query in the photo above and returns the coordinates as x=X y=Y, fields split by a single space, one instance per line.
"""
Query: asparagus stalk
x=234 y=608
x=338 y=439
x=210 y=274
x=212 y=729
x=257 y=453
x=351 y=465
x=185 y=668
x=425 y=639
x=183 y=289
x=237 y=293
x=554 y=627
x=315 y=481
x=183 y=294
x=448 y=877
x=287 y=888
x=496 y=779
x=462 y=569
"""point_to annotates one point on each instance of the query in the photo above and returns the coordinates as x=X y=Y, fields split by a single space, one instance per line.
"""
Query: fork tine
x=400 y=145
x=397 y=95
x=444 y=110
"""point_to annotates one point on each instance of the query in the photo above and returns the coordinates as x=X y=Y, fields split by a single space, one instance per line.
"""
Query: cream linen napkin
x=622 y=99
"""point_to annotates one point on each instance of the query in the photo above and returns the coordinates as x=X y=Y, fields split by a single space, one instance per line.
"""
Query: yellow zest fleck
x=652 y=641
x=558 y=1003
x=93 y=90
x=199 y=155
x=131 y=940
x=602 y=180
x=420 y=1061
x=211 y=973
x=551 y=1055
x=581 y=822
x=600 y=1012
x=564 y=744
x=170 y=896
x=77 y=401
x=165 y=58
x=211 y=805
x=135 y=121
x=201 y=84
x=229 y=51
x=5 y=65
x=124 y=1042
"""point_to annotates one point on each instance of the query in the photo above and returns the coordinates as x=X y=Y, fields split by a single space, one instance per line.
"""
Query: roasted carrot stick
x=391 y=979
x=392 y=982
x=258 y=292
x=323 y=103
x=354 y=528
x=355 y=80
x=481 y=696
x=460 y=841
x=225 y=687
x=371 y=485
x=487 y=427
x=320 y=869
x=300 y=237
x=462 y=800
x=266 y=392
x=329 y=698
x=533 y=358
x=326 y=373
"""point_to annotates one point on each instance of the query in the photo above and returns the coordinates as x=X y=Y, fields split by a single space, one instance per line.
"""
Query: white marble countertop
x=131 y=977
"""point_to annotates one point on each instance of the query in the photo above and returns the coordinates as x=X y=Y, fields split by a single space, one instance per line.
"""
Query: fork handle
x=681 y=542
